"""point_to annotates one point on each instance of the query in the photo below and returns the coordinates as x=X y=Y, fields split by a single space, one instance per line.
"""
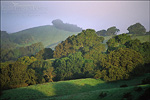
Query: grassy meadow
x=144 y=38
x=79 y=89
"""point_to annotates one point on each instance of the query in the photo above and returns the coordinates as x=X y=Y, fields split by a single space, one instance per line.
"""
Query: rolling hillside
x=80 y=89
x=48 y=35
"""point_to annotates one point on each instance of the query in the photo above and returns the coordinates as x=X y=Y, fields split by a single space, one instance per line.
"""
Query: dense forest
x=79 y=56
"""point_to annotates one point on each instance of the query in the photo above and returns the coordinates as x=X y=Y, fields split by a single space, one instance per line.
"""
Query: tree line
x=80 y=56
x=14 y=54
x=65 y=26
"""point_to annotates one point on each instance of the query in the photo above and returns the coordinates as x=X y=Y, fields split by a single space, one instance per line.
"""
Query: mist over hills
x=49 y=35
x=66 y=26
x=46 y=34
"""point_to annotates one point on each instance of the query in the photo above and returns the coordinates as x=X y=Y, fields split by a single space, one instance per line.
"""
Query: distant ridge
x=47 y=34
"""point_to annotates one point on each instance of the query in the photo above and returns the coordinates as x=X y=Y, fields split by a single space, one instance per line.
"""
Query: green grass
x=112 y=94
x=48 y=35
x=144 y=38
x=79 y=89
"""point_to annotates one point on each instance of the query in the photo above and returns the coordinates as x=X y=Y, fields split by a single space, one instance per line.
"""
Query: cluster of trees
x=44 y=54
x=14 y=54
x=73 y=66
x=12 y=42
x=110 y=31
x=125 y=41
x=6 y=40
x=80 y=56
x=86 y=41
x=119 y=64
x=24 y=39
x=135 y=29
x=65 y=26
x=25 y=71
x=123 y=59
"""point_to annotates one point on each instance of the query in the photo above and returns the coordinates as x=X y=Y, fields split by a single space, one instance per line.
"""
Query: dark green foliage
x=16 y=74
x=146 y=80
x=84 y=41
x=147 y=33
x=127 y=95
x=125 y=41
x=119 y=64
x=145 y=95
x=110 y=31
x=43 y=71
x=46 y=53
x=6 y=41
x=143 y=48
x=101 y=33
x=138 y=89
x=13 y=75
x=73 y=66
x=133 y=44
x=14 y=54
x=137 y=29
x=124 y=85
x=25 y=71
x=65 y=26
x=103 y=94
x=24 y=39
x=117 y=41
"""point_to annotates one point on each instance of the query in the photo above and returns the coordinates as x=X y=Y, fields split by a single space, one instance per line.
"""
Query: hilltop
x=48 y=35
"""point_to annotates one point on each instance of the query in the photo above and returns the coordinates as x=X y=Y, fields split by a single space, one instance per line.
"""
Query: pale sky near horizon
x=98 y=15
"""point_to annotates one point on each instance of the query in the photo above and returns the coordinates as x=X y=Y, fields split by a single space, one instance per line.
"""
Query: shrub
x=145 y=95
x=103 y=94
x=124 y=85
x=146 y=80
x=138 y=89
x=127 y=95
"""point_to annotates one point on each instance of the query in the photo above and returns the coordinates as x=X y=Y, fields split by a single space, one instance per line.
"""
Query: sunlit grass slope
x=144 y=38
x=79 y=89
x=111 y=94
x=48 y=35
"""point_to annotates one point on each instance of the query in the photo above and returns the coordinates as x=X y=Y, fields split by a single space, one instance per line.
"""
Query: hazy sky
x=98 y=15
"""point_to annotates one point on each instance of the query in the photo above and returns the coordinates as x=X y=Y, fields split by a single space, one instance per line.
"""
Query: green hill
x=143 y=38
x=48 y=35
x=80 y=89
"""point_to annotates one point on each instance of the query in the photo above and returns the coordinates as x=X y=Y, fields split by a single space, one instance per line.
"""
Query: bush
x=145 y=95
x=103 y=94
x=124 y=85
x=138 y=89
x=146 y=80
x=127 y=95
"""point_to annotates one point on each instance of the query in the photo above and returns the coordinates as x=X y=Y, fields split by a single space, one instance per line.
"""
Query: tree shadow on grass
x=22 y=94
x=71 y=88
x=61 y=88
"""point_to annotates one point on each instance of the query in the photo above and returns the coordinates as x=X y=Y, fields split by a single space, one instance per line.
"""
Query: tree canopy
x=84 y=41
x=119 y=64
x=137 y=29
x=65 y=26
x=73 y=66
x=110 y=31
